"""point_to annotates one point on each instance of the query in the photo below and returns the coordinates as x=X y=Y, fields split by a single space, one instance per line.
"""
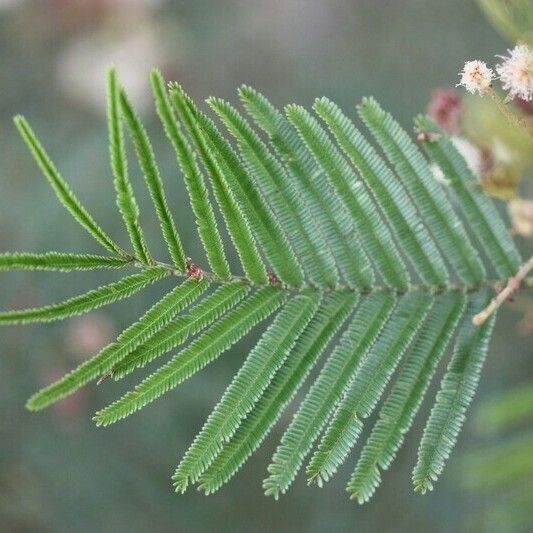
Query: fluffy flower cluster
x=516 y=72
x=476 y=77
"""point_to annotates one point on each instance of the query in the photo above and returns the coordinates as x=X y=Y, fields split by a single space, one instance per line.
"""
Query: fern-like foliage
x=357 y=259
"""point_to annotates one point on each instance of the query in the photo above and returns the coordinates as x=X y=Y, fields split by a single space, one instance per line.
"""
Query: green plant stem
x=306 y=286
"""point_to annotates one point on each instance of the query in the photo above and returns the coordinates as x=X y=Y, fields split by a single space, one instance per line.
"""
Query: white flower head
x=516 y=72
x=476 y=77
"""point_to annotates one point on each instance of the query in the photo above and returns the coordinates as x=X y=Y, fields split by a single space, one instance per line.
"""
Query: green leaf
x=85 y=302
x=152 y=321
x=330 y=316
x=478 y=208
x=457 y=390
x=194 y=181
x=294 y=211
x=146 y=158
x=62 y=190
x=266 y=178
x=181 y=328
x=332 y=223
x=327 y=390
x=370 y=380
x=327 y=229
x=119 y=165
x=402 y=404
x=389 y=193
x=257 y=214
x=252 y=379
x=435 y=209
x=59 y=261
x=371 y=231
x=324 y=226
x=237 y=223
x=233 y=326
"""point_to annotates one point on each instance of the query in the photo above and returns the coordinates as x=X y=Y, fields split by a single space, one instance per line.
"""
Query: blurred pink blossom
x=445 y=107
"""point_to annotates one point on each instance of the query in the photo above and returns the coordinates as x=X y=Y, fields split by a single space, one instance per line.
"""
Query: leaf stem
x=513 y=283
x=513 y=119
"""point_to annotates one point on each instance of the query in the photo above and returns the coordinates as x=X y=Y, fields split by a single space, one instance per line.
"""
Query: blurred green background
x=58 y=472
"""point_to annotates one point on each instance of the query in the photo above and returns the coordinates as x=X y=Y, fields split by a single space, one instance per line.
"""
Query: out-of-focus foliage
x=508 y=150
x=513 y=18
x=502 y=473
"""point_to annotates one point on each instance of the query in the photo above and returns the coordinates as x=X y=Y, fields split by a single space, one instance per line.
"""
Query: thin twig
x=513 y=283
x=515 y=120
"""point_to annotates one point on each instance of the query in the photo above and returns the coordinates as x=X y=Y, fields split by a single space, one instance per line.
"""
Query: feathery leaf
x=146 y=158
x=457 y=390
x=330 y=316
x=62 y=190
x=153 y=320
x=183 y=327
x=237 y=225
x=59 y=261
x=232 y=327
x=194 y=181
x=401 y=406
x=252 y=379
x=126 y=202
x=85 y=302
x=314 y=239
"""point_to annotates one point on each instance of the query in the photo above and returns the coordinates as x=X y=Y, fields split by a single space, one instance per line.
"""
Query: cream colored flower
x=516 y=72
x=476 y=77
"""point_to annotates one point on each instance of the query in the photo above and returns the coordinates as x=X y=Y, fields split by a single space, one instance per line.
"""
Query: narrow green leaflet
x=330 y=316
x=119 y=165
x=183 y=327
x=194 y=181
x=435 y=208
x=146 y=158
x=267 y=177
x=327 y=390
x=227 y=331
x=252 y=379
x=237 y=224
x=60 y=262
x=153 y=320
x=308 y=182
x=457 y=390
x=85 y=302
x=257 y=214
x=478 y=208
x=402 y=404
x=372 y=232
x=293 y=209
x=370 y=380
x=270 y=178
x=389 y=193
x=62 y=190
